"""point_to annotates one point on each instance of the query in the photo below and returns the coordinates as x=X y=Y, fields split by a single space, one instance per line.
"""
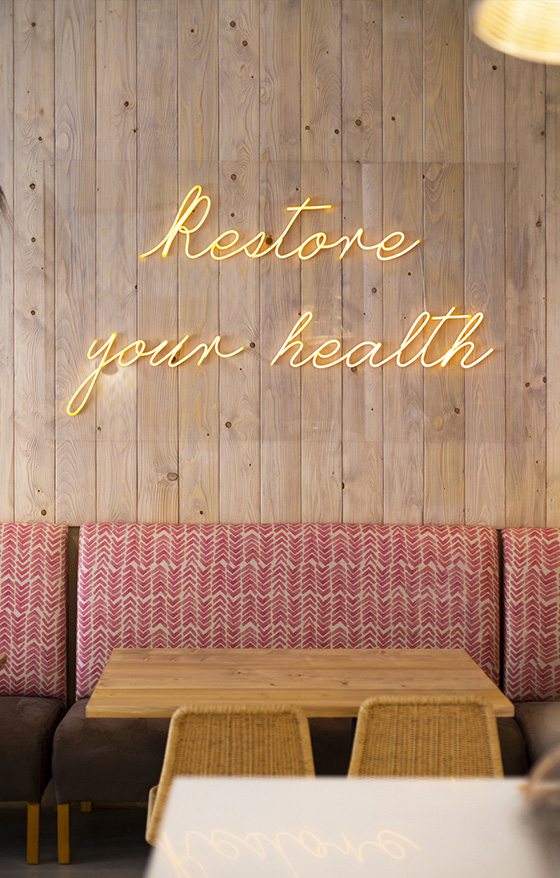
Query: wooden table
x=322 y=682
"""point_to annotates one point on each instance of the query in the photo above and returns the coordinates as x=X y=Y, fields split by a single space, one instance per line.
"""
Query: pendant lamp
x=528 y=29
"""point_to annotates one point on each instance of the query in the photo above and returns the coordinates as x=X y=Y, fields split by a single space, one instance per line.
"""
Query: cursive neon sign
x=191 y=217
x=385 y=250
x=134 y=352
x=323 y=357
x=330 y=348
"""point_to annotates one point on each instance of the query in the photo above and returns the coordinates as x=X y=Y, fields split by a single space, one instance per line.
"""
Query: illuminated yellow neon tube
x=332 y=346
x=138 y=350
x=224 y=246
x=325 y=356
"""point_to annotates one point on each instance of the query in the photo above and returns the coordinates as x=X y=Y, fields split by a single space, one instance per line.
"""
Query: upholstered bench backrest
x=281 y=586
x=33 y=609
x=532 y=613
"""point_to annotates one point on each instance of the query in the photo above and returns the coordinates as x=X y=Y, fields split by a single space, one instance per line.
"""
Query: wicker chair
x=414 y=736
x=231 y=741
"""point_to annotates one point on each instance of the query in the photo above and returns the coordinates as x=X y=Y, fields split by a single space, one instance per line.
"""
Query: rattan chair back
x=432 y=736
x=272 y=741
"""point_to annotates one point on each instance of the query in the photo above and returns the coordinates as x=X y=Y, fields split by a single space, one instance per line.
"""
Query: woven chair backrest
x=426 y=737
x=229 y=741
x=232 y=741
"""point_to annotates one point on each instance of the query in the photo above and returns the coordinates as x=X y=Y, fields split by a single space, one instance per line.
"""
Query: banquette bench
x=531 y=648
x=33 y=678
x=268 y=586
x=297 y=585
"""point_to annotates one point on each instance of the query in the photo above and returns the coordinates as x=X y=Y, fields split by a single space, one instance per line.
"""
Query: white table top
x=341 y=828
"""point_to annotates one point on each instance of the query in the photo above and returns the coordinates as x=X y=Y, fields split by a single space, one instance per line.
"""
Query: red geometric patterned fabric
x=285 y=585
x=33 y=609
x=532 y=613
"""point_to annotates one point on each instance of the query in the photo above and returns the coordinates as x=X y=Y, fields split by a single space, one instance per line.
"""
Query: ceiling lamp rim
x=483 y=21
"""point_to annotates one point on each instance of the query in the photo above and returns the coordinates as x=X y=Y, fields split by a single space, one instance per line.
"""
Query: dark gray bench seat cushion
x=540 y=724
x=513 y=746
x=332 y=746
x=27 y=725
x=119 y=760
x=106 y=760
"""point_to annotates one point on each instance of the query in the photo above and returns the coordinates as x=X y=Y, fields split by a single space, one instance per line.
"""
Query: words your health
x=322 y=357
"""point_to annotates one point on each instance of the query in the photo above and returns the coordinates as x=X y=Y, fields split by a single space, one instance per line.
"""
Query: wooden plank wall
x=392 y=112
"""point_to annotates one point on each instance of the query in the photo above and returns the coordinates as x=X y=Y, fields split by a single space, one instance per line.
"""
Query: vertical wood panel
x=552 y=296
x=259 y=101
x=158 y=464
x=485 y=282
x=75 y=253
x=199 y=422
x=525 y=293
x=34 y=261
x=444 y=437
x=402 y=279
x=116 y=254
x=280 y=279
x=239 y=276
x=321 y=277
x=6 y=264
x=362 y=180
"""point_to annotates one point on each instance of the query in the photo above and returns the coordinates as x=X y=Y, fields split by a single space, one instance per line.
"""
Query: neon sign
x=385 y=250
x=138 y=350
x=328 y=353
x=158 y=356
x=331 y=347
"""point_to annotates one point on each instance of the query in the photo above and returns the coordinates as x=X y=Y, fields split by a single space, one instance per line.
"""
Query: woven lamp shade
x=528 y=29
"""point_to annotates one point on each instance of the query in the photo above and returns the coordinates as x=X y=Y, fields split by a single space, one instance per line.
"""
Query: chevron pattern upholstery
x=282 y=586
x=531 y=613
x=33 y=609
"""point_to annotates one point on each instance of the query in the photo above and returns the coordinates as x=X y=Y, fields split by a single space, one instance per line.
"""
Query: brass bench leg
x=63 y=824
x=33 y=815
x=85 y=807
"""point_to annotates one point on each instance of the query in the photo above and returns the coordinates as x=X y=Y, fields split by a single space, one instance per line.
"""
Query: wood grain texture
x=7 y=111
x=158 y=451
x=362 y=272
x=552 y=297
x=239 y=276
x=485 y=281
x=323 y=682
x=280 y=187
x=75 y=208
x=199 y=431
x=525 y=295
x=259 y=102
x=117 y=444
x=444 y=408
x=34 y=303
x=321 y=277
x=403 y=407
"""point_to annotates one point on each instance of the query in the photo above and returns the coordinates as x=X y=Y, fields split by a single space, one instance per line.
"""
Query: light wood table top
x=322 y=682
